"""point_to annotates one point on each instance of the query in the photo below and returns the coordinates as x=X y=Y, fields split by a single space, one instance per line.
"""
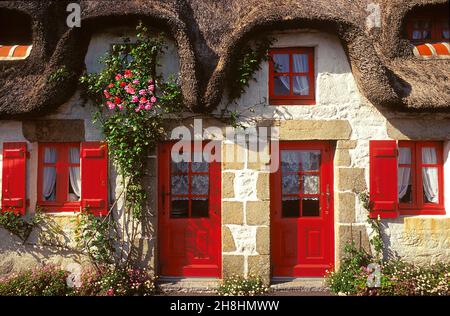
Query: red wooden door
x=302 y=210
x=189 y=216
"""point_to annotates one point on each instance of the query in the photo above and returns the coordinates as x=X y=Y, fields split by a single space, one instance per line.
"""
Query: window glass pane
x=49 y=184
x=445 y=30
x=310 y=184
x=404 y=155
x=74 y=155
x=290 y=207
x=404 y=186
x=426 y=34
x=301 y=85
x=290 y=184
x=300 y=62
x=180 y=208
x=74 y=184
x=199 y=164
x=429 y=155
x=281 y=62
x=180 y=185
x=281 y=85
x=50 y=155
x=180 y=167
x=200 y=184
x=200 y=207
x=417 y=35
x=430 y=185
x=310 y=207
x=292 y=160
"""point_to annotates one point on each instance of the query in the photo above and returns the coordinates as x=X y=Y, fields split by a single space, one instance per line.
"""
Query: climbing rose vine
x=130 y=91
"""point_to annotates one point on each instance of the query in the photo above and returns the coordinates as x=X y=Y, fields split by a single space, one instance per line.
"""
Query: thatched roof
x=209 y=34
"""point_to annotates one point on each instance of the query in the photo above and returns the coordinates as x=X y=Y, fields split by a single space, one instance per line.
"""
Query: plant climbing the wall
x=132 y=99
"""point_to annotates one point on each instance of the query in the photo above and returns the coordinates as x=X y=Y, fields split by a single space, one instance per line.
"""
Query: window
x=72 y=176
x=189 y=182
x=428 y=26
x=291 y=76
x=59 y=176
x=420 y=177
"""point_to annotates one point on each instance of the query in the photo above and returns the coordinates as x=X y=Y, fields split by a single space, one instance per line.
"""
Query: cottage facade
x=356 y=98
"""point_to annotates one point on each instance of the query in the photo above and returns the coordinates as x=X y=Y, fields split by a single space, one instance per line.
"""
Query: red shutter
x=14 y=177
x=94 y=177
x=383 y=178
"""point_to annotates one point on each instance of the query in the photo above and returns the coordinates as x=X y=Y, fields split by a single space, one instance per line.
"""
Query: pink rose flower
x=143 y=100
x=142 y=92
x=151 y=87
x=120 y=106
x=153 y=99
x=137 y=109
x=135 y=99
x=107 y=94
x=110 y=292
x=148 y=106
x=118 y=77
x=110 y=105
x=135 y=81
x=130 y=89
x=150 y=81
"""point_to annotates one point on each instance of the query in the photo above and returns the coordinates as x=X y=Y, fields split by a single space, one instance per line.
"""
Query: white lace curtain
x=49 y=179
x=404 y=173
x=300 y=64
x=74 y=174
x=430 y=175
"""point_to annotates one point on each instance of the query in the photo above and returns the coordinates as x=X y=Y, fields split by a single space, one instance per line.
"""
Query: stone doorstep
x=298 y=285
x=169 y=285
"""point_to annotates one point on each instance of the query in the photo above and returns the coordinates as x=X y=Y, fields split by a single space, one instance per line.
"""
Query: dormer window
x=15 y=35
x=428 y=26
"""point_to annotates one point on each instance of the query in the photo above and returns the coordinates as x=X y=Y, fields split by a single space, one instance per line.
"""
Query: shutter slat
x=14 y=177
x=383 y=178
x=94 y=177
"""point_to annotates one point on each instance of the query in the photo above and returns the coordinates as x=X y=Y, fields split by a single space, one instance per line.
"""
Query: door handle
x=328 y=198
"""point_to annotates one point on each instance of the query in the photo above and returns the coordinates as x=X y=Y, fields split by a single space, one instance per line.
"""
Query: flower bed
x=396 y=277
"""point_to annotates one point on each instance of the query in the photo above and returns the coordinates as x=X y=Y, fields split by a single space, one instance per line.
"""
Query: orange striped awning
x=15 y=52
x=432 y=50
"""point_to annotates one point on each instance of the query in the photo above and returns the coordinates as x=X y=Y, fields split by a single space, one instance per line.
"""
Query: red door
x=189 y=216
x=302 y=210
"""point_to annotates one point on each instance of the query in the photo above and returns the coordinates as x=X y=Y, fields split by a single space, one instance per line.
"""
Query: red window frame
x=418 y=206
x=61 y=203
x=437 y=20
x=292 y=99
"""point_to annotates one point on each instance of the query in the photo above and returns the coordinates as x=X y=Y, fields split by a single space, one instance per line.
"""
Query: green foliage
x=19 y=225
x=376 y=239
x=129 y=132
x=117 y=282
x=93 y=235
x=59 y=74
x=350 y=277
x=43 y=281
x=238 y=285
x=247 y=63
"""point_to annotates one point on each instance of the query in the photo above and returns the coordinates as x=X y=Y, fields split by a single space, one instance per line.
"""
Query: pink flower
x=151 y=87
x=148 y=106
x=130 y=89
x=150 y=81
x=107 y=94
x=142 y=92
x=120 y=106
x=135 y=81
x=135 y=99
x=153 y=99
x=128 y=73
x=111 y=105
x=111 y=85
x=118 y=77
x=110 y=292
x=137 y=109
x=143 y=100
